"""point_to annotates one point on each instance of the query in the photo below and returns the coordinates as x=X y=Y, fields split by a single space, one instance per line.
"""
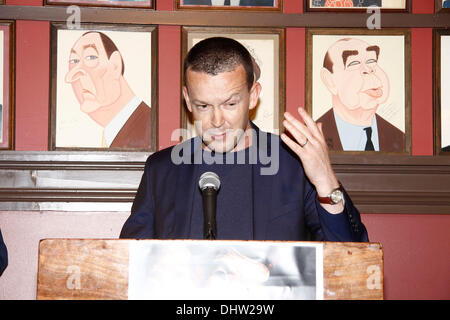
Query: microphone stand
x=209 y=211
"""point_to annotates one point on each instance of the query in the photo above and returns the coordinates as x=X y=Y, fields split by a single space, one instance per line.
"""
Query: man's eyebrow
x=348 y=53
x=90 y=45
x=201 y=102
x=234 y=95
x=374 y=48
x=198 y=102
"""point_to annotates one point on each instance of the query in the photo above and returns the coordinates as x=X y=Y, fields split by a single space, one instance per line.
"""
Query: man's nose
x=74 y=74
x=217 y=119
x=367 y=69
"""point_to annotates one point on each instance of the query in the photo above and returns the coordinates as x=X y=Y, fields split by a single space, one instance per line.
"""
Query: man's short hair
x=109 y=45
x=217 y=55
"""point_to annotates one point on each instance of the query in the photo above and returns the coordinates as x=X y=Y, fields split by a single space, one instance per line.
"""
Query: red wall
x=415 y=246
x=416 y=249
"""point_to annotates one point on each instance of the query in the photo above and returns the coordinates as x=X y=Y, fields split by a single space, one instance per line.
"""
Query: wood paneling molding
x=377 y=184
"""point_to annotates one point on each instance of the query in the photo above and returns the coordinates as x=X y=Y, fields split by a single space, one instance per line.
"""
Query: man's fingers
x=292 y=144
x=319 y=125
x=309 y=122
x=298 y=136
x=297 y=128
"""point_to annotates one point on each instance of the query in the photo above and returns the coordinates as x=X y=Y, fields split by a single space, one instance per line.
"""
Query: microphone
x=209 y=184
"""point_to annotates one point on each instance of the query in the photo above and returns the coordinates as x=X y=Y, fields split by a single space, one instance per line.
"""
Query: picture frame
x=103 y=87
x=267 y=46
x=380 y=97
x=7 y=45
x=357 y=5
x=147 y=4
x=442 y=6
x=242 y=5
x=441 y=95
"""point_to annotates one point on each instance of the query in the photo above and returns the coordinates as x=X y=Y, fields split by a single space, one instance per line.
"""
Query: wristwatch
x=334 y=197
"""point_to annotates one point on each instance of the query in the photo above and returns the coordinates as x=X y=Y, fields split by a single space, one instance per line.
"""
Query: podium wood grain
x=83 y=269
x=352 y=271
x=98 y=269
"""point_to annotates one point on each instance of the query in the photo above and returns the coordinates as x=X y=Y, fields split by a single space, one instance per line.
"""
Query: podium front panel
x=195 y=269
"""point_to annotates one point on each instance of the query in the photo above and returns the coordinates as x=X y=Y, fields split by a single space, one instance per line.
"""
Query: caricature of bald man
x=358 y=86
x=96 y=74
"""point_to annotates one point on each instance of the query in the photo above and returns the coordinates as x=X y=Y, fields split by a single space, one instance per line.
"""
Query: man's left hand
x=309 y=144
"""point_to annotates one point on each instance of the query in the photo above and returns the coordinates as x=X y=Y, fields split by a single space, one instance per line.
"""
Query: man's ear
x=186 y=98
x=116 y=62
x=327 y=79
x=254 y=95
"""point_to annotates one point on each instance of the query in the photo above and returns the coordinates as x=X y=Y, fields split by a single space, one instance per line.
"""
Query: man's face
x=94 y=78
x=220 y=105
x=357 y=79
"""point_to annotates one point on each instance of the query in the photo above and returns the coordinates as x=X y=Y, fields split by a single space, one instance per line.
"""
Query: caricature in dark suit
x=358 y=86
x=241 y=3
x=96 y=72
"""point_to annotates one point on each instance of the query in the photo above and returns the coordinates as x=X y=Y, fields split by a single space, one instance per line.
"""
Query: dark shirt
x=3 y=255
x=234 y=210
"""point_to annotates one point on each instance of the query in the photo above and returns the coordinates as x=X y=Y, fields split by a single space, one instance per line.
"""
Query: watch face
x=336 y=196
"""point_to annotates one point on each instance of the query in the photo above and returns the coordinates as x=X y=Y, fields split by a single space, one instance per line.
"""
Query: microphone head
x=209 y=180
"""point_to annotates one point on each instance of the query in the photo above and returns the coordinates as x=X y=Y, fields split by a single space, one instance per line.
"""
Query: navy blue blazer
x=285 y=204
x=3 y=255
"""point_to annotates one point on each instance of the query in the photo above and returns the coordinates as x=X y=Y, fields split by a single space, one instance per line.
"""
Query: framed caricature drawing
x=103 y=88
x=356 y=5
x=358 y=86
x=259 y=5
x=442 y=5
x=105 y=3
x=442 y=91
x=6 y=85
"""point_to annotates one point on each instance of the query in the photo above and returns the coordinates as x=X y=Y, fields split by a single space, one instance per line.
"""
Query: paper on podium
x=200 y=269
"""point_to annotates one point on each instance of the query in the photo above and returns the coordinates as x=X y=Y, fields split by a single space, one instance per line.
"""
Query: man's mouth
x=374 y=92
x=219 y=136
x=87 y=92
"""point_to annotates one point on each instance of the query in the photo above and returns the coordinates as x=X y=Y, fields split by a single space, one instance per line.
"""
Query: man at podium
x=271 y=187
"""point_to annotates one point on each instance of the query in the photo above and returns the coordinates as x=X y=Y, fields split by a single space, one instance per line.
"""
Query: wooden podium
x=98 y=269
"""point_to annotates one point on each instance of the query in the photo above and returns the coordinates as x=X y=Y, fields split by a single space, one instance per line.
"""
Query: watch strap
x=327 y=199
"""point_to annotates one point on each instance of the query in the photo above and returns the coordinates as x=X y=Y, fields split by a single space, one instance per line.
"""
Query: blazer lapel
x=262 y=187
x=184 y=194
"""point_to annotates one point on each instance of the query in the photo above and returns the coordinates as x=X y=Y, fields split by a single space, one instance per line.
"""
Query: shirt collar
x=353 y=137
x=113 y=127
